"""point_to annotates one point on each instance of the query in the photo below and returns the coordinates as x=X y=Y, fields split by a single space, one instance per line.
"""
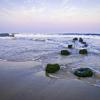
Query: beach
x=23 y=62
x=49 y=49
x=27 y=81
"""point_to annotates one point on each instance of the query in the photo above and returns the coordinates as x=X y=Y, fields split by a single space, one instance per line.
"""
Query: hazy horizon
x=48 y=16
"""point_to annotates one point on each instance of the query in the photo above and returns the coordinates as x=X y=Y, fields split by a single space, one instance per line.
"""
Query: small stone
x=75 y=39
x=83 y=51
x=70 y=46
x=80 y=40
x=65 y=52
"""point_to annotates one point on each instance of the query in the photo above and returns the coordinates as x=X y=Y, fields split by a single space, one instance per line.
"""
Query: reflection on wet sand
x=27 y=81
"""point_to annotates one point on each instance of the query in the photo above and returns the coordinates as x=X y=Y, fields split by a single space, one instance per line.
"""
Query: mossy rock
x=65 y=52
x=83 y=51
x=52 y=68
x=70 y=46
x=80 y=40
x=83 y=72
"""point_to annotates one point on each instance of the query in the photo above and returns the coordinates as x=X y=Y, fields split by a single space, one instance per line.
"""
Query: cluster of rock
x=65 y=52
x=70 y=46
x=80 y=72
x=81 y=41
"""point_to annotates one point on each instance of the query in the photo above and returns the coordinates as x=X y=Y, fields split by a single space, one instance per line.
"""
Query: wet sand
x=27 y=81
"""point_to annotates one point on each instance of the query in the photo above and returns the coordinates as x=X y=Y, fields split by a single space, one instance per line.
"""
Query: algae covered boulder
x=52 y=68
x=65 y=52
x=70 y=46
x=83 y=72
x=83 y=51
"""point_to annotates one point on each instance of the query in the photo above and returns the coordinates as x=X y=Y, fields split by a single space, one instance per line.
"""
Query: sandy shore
x=27 y=81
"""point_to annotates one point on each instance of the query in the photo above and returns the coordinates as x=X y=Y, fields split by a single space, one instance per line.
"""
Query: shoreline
x=27 y=81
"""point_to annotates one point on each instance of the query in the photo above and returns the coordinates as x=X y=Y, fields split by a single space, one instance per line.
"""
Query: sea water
x=45 y=48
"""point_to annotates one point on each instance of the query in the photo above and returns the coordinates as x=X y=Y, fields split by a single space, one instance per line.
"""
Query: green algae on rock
x=52 y=68
x=83 y=51
x=83 y=72
x=65 y=52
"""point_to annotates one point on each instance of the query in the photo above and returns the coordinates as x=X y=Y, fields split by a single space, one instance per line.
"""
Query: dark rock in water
x=83 y=51
x=83 y=72
x=80 y=40
x=65 y=52
x=4 y=34
x=52 y=68
x=85 y=45
x=70 y=46
x=83 y=42
x=75 y=39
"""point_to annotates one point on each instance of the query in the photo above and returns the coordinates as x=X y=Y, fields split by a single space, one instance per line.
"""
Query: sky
x=50 y=16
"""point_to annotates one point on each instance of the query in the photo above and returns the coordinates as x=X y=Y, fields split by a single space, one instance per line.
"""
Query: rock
x=85 y=44
x=52 y=68
x=65 y=52
x=75 y=39
x=83 y=72
x=80 y=40
x=83 y=51
x=70 y=46
x=4 y=34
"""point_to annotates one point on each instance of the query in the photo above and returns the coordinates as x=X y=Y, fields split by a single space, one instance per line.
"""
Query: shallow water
x=47 y=50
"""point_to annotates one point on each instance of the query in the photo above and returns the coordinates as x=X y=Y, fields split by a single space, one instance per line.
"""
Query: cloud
x=47 y=5
x=49 y=12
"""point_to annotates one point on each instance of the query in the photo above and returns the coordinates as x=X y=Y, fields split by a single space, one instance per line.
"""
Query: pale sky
x=50 y=16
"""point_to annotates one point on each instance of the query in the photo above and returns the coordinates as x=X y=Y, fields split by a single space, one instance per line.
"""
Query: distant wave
x=43 y=37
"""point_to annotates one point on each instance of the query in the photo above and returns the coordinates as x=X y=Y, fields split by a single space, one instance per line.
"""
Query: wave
x=46 y=49
x=43 y=37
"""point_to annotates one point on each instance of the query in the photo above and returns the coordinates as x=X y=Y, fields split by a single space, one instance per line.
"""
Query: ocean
x=45 y=48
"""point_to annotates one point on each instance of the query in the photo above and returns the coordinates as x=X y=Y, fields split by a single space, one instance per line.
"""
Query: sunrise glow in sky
x=50 y=16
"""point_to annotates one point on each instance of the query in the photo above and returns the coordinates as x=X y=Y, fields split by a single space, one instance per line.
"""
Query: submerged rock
x=83 y=72
x=52 y=68
x=65 y=52
x=83 y=51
